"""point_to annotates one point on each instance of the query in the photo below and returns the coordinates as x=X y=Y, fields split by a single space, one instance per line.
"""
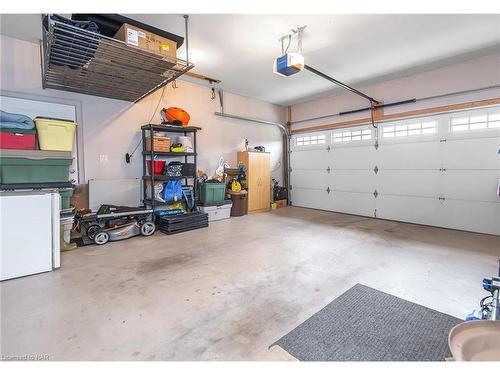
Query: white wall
x=111 y=127
x=472 y=74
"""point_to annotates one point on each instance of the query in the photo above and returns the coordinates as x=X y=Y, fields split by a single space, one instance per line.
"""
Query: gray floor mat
x=364 y=324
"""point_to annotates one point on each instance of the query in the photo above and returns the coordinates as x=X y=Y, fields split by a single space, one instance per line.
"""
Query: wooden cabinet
x=258 y=170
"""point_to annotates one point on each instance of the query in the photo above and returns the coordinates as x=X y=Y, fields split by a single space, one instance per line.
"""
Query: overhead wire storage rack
x=85 y=62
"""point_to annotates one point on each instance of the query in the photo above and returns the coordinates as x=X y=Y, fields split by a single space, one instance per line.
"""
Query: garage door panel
x=352 y=180
x=311 y=198
x=362 y=157
x=483 y=217
x=353 y=203
x=418 y=210
x=310 y=179
x=425 y=183
x=480 y=185
x=471 y=153
x=307 y=159
x=416 y=155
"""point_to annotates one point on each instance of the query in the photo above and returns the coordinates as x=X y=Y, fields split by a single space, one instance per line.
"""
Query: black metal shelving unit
x=151 y=129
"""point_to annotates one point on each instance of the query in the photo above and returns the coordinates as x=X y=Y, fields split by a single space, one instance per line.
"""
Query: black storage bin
x=188 y=169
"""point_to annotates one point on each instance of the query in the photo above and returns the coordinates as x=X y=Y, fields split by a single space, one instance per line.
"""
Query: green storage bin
x=66 y=195
x=212 y=192
x=29 y=166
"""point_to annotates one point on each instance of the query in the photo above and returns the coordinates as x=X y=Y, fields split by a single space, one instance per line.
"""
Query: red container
x=159 y=167
x=18 y=139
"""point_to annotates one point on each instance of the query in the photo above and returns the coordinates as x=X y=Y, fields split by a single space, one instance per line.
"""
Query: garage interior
x=239 y=187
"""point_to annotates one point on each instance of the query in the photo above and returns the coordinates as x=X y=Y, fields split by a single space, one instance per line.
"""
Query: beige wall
x=111 y=127
x=472 y=74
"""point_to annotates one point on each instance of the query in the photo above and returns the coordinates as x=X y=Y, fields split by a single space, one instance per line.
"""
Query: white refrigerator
x=29 y=233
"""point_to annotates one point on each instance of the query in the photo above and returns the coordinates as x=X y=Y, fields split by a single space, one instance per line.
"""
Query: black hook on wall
x=212 y=89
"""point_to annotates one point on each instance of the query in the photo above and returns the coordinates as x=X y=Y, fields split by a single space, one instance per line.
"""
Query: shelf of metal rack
x=150 y=130
x=82 y=61
x=170 y=128
x=166 y=178
x=172 y=154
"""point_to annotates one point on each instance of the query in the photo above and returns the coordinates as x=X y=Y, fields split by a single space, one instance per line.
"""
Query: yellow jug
x=235 y=186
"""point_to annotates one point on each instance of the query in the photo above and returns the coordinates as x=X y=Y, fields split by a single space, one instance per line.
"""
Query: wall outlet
x=103 y=158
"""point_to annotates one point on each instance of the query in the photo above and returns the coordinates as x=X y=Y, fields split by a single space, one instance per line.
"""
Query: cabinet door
x=258 y=179
x=261 y=180
x=265 y=182
x=249 y=162
x=253 y=179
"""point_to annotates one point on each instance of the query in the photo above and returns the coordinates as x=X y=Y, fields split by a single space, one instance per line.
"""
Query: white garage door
x=442 y=170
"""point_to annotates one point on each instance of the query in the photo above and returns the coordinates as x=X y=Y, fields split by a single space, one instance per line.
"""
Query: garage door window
x=405 y=130
x=352 y=135
x=310 y=140
x=475 y=122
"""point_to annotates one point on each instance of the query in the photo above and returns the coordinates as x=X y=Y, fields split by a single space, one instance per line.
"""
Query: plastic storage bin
x=188 y=169
x=66 y=195
x=212 y=192
x=159 y=167
x=29 y=166
x=55 y=134
x=67 y=222
x=18 y=139
x=217 y=212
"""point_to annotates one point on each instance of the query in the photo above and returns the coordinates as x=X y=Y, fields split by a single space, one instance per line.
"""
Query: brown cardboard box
x=280 y=203
x=80 y=198
x=146 y=40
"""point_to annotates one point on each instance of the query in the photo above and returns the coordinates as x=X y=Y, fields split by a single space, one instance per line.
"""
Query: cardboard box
x=80 y=197
x=280 y=203
x=137 y=37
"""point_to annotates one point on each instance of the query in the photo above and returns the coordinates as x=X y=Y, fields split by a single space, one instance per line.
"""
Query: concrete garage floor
x=229 y=291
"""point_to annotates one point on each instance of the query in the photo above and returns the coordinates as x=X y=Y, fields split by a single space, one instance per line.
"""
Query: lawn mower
x=113 y=223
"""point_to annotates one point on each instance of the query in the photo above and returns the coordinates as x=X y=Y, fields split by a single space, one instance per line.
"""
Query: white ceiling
x=356 y=49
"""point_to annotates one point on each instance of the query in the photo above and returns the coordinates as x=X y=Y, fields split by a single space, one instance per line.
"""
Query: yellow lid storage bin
x=55 y=134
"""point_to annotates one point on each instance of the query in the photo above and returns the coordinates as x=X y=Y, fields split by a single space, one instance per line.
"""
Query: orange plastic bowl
x=175 y=114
